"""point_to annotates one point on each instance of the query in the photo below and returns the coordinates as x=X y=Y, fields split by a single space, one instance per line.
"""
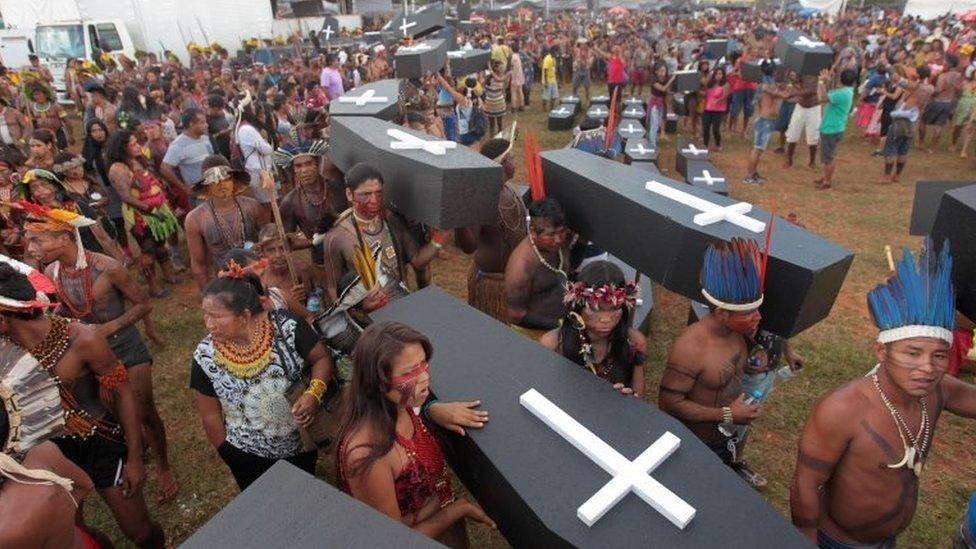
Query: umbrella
x=618 y=10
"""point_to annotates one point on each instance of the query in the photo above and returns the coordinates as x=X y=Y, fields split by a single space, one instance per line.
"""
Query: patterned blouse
x=257 y=415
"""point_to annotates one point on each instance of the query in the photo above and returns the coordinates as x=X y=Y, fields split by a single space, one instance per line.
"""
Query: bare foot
x=963 y=155
x=167 y=487
x=885 y=179
x=822 y=185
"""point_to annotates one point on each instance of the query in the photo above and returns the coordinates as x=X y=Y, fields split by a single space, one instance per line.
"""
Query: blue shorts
x=762 y=131
x=742 y=102
x=897 y=146
x=550 y=91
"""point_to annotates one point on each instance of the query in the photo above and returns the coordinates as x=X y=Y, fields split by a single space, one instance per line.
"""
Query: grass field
x=858 y=214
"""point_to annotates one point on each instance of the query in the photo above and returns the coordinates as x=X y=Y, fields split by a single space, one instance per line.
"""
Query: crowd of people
x=222 y=170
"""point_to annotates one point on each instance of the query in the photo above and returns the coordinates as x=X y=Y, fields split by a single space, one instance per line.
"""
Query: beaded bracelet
x=316 y=388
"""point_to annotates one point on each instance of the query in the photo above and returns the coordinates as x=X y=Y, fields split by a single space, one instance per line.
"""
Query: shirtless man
x=805 y=120
x=535 y=274
x=313 y=198
x=938 y=112
x=85 y=367
x=771 y=95
x=101 y=108
x=865 y=444
x=96 y=294
x=223 y=221
x=702 y=382
x=16 y=128
x=379 y=228
x=492 y=244
x=916 y=96
x=276 y=278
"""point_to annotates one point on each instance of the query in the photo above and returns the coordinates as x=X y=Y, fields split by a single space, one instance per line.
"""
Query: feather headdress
x=44 y=219
x=919 y=300
x=42 y=285
x=732 y=275
x=533 y=166
x=286 y=154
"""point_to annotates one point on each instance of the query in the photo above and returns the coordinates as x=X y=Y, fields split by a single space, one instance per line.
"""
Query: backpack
x=477 y=121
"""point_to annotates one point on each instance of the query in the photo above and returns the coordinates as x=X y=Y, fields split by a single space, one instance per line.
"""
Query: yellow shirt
x=501 y=54
x=548 y=70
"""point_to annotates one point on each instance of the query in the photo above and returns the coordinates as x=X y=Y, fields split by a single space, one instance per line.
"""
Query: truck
x=83 y=29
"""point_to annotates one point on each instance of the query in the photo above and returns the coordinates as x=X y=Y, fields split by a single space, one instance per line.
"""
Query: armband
x=113 y=379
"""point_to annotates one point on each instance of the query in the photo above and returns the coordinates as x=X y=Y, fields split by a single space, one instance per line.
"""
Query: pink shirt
x=714 y=101
x=615 y=70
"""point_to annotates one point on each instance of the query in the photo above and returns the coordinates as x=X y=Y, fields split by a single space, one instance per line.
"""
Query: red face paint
x=406 y=384
x=744 y=323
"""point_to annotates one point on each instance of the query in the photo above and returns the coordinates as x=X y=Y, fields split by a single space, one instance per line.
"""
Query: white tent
x=930 y=9
x=826 y=6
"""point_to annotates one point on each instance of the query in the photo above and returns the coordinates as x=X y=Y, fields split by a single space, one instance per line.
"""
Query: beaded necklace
x=545 y=263
x=224 y=230
x=246 y=361
x=308 y=200
x=49 y=352
x=86 y=287
x=919 y=443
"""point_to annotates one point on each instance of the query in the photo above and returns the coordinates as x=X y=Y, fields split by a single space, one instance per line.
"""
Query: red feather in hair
x=765 y=256
x=533 y=166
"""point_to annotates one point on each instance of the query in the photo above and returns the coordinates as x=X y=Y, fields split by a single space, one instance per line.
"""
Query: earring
x=576 y=321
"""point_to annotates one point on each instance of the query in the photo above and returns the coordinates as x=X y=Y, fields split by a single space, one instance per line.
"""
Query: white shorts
x=550 y=91
x=804 y=120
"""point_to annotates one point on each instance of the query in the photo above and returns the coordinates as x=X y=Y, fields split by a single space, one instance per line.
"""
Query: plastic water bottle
x=314 y=303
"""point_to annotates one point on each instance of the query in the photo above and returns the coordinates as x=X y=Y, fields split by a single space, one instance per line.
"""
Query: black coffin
x=928 y=195
x=600 y=100
x=562 y=118
x=598 y=111
x=718 y=48
x=752 y=70
x=330 y=30
x=679 y=104
x=385 y=37
x=632 y=101
x=457 y=189
x=465 y=62
x=448 y=34
x=531 y=481
x=956 y=221
x=687 y=81
x=688 y=152
x=631 y=129
x=426 y=20
x=633 y=111
x=705 y=175
x=572 y=100
x=379 y=99
x=420 y=58
x=647 y=167
x=802 y=53
x=288 y=507
x=608 y=203
x=639 y=150
x=671 y=123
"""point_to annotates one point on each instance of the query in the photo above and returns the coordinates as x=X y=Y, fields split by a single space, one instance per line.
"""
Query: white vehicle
x=55 y=43
x=15 y=46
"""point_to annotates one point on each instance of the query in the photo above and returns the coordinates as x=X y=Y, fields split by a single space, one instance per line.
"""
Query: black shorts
x=128 y=346
x=938 y=113
x=247 y=467
x=100 y=457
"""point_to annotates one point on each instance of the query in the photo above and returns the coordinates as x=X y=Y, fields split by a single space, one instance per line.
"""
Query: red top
x=423 y=477
x=615 y=70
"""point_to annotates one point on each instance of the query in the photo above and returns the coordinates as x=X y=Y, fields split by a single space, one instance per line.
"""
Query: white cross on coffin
x=630 y=128
x=422 y=46
x=405 y=141
x=602 y=98
x=805 y=42
x=455 y=54
x=693 y=150
x=597 y=111
x=562 y=111
x=639 y=149
x=628 y=476
x=710 y=212
x=632 y=111
x=368 y=96
x=706 y=176
x=404 y=26
x=328 y=33
x=570 y=99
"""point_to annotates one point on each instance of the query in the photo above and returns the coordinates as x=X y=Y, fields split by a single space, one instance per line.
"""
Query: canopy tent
x=829 y=7
x=930 y=9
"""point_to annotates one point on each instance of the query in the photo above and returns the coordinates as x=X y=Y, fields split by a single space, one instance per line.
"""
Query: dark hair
x=415 y=117
x=215 y=101
x=92 y=151
x=237 y=294
x=549 y=210
x=187 y=116
x=366 y=404
x=767 y=67
x=848 y=77
x=713 y=80
x=599 y=273
x=923 y=72
x=115 y=148
x=15 y=285
x=361 y=173
x=494 y=147
x=44 y=135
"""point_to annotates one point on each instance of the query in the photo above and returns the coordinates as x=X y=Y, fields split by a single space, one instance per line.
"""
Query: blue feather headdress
x=595 y=142
x=732 y=275
x=286 y=154
x=919 y=300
